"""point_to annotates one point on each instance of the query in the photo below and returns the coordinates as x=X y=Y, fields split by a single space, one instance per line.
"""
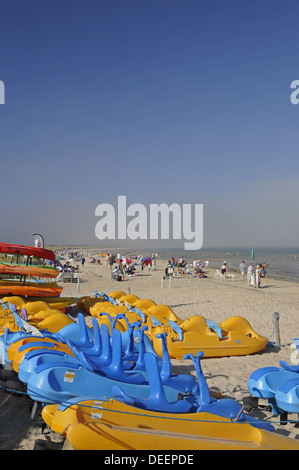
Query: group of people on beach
x=67 y=267
x=254 y=275
x=127 y=267
x=181 y=267
x=121 y=270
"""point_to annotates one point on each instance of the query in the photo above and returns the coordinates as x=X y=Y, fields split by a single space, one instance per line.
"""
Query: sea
x=283 y=263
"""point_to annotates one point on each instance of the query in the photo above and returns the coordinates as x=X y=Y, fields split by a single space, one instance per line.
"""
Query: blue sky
x=160 y=100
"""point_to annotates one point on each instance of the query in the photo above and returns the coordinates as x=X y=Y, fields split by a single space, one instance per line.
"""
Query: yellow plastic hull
x=16 y=357
x=111 y=425
x=238 y=338
x=59 y=303
x=40 y=314
x=33 y=303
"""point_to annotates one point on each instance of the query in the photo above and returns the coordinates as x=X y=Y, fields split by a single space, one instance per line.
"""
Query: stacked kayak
x=232 y=337
x=23 y=250
x=30 y=288
x=278 y=385
x=22 y=271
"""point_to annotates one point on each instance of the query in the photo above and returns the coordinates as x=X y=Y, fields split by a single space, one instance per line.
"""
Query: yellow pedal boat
x=232 y=337
x=85 y=302
x=112 y=425
x=58 y=303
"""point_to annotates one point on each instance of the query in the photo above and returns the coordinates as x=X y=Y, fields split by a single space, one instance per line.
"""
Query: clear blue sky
x=160 y=100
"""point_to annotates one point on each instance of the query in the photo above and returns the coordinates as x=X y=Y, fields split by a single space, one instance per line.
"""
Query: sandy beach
x=212 y=298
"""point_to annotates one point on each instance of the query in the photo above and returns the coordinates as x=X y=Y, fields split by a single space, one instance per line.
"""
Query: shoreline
x=289 y=272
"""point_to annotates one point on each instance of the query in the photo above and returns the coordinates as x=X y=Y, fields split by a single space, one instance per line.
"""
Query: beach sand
x=212 y=298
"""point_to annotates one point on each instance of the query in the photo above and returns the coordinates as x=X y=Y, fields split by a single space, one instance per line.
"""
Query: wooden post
x=277 y=330
x=162 y=279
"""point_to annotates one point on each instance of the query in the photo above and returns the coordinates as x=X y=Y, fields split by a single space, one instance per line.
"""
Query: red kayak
x=11 y=249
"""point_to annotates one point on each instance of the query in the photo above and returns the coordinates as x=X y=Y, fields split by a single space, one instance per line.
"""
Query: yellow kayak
x=23 y=270
x=112 y=425
x=34 y=289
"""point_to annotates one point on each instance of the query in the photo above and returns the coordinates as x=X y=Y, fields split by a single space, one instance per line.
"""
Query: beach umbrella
x=147 y=261
x=125 y=260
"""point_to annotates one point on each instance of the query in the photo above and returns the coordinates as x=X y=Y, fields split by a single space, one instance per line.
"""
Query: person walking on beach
x=242 y=268
x=265 y=271
x=170 y=269
x=224 y=270
x=111 y=260
x=259 y=275
x=250 y=275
